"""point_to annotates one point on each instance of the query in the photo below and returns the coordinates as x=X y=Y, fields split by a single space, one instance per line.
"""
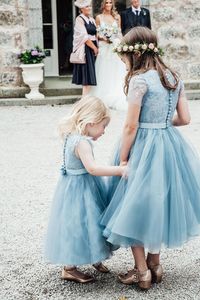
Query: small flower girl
x=74 y=235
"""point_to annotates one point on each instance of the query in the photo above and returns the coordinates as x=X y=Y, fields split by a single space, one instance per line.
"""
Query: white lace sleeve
x=137 y=90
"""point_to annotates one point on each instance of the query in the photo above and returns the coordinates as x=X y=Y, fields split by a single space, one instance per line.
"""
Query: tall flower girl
x=74 y=235
x=160 y=206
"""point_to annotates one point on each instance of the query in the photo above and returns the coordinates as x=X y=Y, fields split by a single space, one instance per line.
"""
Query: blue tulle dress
x=74 y=236
x=159 y=204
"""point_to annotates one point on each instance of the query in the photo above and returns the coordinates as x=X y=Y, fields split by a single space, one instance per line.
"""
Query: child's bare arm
x=84 y=152
x=136 y=92
x=130 y=130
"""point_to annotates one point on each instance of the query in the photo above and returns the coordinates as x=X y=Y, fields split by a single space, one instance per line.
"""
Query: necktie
x=137 y=17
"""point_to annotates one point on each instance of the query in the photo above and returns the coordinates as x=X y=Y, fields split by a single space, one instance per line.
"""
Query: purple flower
x=41 y=54
x=34 y=53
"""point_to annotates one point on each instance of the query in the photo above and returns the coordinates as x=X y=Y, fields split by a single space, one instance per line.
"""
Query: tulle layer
x=74 y=235
x=159 y=204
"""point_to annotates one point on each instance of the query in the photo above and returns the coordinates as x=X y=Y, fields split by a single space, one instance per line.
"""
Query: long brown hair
x=114 y=12
x=140 y=64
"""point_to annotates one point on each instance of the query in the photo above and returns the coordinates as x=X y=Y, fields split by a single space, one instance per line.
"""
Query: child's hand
x=125 y=170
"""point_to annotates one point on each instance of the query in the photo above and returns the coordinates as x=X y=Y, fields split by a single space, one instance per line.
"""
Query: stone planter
x=33 y=75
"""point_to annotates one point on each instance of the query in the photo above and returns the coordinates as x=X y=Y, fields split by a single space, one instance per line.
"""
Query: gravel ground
x=30 y=154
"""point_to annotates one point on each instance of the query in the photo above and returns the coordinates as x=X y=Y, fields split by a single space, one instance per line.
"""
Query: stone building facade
x=25 y=23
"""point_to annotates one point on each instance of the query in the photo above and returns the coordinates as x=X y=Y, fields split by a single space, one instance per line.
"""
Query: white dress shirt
x=136 y=9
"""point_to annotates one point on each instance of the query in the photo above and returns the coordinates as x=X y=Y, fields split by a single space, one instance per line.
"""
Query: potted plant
x=32 y=70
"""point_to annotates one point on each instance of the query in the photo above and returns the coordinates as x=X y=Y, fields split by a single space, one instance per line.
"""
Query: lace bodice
x=114 y=24
x=70 y=160
x=157 y=103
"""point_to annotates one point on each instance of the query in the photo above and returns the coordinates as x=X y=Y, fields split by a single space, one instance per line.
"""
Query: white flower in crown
x=119 y=49
x=136 y=47
x=151 y=46
x=130 y=48
x=155 y=50
x=144 y=47
x=125 y=48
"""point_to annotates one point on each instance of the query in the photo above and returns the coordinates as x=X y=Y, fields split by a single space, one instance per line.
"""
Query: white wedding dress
x=110 y=74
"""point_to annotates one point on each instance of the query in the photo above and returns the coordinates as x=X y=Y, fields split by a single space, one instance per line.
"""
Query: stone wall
x=177 y=24
x=20 y=27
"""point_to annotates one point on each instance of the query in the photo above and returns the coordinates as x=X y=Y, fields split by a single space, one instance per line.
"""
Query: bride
x=110 y=70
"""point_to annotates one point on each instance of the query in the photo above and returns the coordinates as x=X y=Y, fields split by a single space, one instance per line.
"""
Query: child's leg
x=141 y=274
x=153 y=259
x=140 y=260
x=69 y=267
x=153 y=262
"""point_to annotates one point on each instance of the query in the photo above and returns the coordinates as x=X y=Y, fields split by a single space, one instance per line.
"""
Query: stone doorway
x=65 y=22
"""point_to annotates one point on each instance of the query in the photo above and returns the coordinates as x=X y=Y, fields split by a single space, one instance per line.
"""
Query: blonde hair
x=114 y=12
x=87 y=110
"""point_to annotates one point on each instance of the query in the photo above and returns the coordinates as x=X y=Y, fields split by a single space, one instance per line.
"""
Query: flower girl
x=160 y=206
x=74 y=235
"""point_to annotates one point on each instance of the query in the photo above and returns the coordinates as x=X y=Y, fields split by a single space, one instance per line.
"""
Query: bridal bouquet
x=110 y=32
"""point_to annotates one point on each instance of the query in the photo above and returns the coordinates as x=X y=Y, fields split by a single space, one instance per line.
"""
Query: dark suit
x=130 y=19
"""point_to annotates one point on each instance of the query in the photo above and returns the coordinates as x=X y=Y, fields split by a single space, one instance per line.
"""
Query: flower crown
x=138 y=48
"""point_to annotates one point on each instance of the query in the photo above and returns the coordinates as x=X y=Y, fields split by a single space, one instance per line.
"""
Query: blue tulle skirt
x=74 y=235
x=159 y=204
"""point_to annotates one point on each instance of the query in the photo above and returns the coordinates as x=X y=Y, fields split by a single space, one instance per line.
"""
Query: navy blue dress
x=84 y=74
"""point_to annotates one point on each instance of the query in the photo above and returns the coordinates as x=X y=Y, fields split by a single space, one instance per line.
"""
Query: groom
x=135 y=16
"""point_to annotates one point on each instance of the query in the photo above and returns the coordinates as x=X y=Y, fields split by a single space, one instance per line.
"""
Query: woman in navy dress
x=85 y=33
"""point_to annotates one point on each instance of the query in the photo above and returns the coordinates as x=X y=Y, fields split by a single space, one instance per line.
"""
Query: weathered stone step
x=192 y=84
x=193 y=94
x=60 y=91
x=63 y=87
x=58 y=100
x=19 y=92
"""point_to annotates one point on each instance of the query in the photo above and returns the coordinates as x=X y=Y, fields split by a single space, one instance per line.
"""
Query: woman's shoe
x=76 y=275
x=143 y=279
x=156 y=272
x=101 y=268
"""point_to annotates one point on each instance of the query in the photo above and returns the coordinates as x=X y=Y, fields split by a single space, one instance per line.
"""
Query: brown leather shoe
x=143 y=279
x=156 y=272
x=76 y=275
x=129 y=278
x=101 y=268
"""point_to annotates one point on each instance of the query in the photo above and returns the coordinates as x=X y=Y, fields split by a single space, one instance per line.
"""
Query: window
x=47 y=24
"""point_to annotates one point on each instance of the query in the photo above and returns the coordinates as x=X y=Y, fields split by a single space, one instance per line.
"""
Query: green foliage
x=32 y=56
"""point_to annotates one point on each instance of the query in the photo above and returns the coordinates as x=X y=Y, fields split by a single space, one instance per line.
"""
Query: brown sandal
x=75 y=275
x=101 y=268
x=143 y=279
